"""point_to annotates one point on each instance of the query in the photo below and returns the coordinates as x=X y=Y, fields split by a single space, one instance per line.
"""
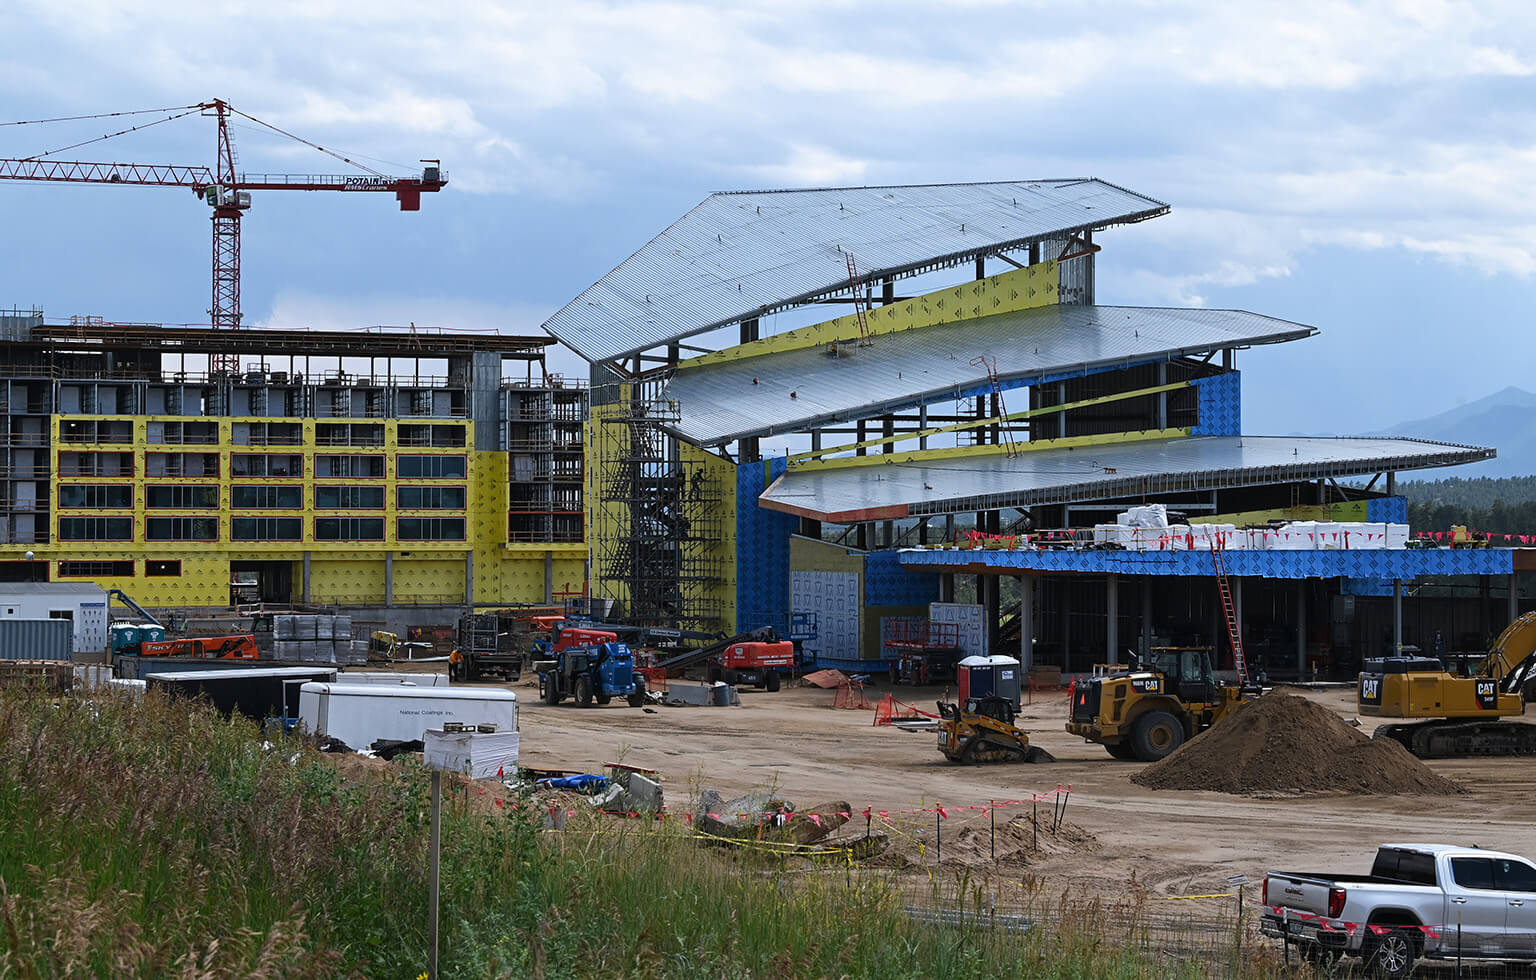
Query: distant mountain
x=1504 y=420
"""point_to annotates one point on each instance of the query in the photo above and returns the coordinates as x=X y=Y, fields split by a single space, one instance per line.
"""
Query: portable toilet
x=974 y=677
x=149 y=633
x=1007 y=678
x=125 y=637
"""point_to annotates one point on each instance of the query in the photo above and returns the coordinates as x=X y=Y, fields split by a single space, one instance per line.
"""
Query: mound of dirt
x=1282 y=743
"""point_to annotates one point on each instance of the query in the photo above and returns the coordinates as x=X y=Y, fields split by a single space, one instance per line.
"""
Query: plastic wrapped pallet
x=323 y=627
x=341 y=627
x=1295 y=536
x=1329 y=535
x=1397 y=535
x=1146 y=515
x=285 y=649
x=284 y=627
x=304 y=628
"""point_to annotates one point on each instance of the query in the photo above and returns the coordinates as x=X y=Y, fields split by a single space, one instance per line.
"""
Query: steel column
x=1397 y=616
x=1301 y=629
x=1026 y=624
x=1112 y=618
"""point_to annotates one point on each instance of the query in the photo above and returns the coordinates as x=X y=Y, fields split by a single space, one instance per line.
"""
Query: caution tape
x=1186 y=898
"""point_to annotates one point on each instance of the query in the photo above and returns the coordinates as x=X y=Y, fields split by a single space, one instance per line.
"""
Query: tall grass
x=156 y=839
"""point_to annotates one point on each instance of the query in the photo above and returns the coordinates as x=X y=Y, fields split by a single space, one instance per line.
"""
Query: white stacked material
x=1121 y=534
x=341 y=627
x=390 y=677
x=1146 y=515
x=478 y=755
x=1295 y=536
x=91 y=677
x=1328 y=535
x=284 y=626
x=323 y=627
x=1397 y=535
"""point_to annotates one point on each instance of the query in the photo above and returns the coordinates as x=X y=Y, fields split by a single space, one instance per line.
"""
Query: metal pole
x=1397 y=617
x=437 y=850
x=938 y=835
x=992 y=816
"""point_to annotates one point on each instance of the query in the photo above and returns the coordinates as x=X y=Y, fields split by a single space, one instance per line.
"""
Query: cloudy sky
x=1362 y=167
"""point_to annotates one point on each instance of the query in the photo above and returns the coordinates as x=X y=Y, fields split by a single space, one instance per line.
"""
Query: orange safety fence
x=851 y=695
x=889 y=709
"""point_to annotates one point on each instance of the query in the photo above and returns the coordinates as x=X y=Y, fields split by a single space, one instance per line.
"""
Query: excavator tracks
x=1458 y=739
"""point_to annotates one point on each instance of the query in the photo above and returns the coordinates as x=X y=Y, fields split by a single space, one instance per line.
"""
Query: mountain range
x=1505 y=420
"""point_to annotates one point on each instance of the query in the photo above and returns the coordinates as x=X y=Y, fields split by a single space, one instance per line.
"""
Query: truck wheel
x=1122 y=751
x=551 y=692
x=1390 y=955
x=637 y=696
x=584 y=692
x=1156 y=734
x=604 y=698
x=773 y=680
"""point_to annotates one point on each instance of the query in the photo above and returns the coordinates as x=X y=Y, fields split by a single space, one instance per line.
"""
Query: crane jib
x=368 y=183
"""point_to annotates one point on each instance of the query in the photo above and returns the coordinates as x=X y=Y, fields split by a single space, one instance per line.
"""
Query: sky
x=1360 y=167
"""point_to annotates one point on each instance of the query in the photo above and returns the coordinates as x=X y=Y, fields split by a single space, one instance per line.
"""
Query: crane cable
x=300 y=139
x=98 y=139
x=99 y=115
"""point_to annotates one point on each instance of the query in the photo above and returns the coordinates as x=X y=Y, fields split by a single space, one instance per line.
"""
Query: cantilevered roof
x=1129 y=469
x=742 y=254
x=796 y=390
x=262 y=340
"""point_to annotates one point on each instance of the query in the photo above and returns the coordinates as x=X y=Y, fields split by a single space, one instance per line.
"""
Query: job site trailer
x=361 y=714
x=84 y=605
x=257 y=693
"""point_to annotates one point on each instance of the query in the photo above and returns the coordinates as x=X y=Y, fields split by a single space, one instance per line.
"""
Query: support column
x=1162 y=396
x=304 y=591
x=1237 y=610
x=1397 y=616
x=1064 y=585
x=947 y=587
x=389 y=578
x=990 y=596
x=1145 y=649
x=469 y=578
x=1513 y=612
x=1301 y=629
x=1112 y=618
x=1026 y=624
x=748 y=450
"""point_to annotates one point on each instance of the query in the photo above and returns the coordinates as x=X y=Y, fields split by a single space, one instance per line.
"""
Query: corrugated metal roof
x=742 y=254
x=1054 y=476
x=52 y=588
x=730 y=400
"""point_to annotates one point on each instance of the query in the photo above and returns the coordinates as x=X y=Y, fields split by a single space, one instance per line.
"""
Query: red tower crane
x=225 y=190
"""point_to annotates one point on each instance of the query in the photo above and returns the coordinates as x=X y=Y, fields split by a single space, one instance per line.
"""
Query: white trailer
x=361 y=714
x=390 y=678
x=83 y=604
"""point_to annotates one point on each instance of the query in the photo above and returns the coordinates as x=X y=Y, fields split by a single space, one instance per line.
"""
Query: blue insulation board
x=762 y=550
x=1220 y=406
x=886 y=583
x=1407 y=563
x=1387 y=510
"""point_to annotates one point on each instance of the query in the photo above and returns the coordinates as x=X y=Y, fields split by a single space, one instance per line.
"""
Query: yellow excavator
x=1458 y=710
x=982 y=730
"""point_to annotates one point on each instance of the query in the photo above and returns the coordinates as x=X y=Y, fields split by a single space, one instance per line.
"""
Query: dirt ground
x=1171 y=842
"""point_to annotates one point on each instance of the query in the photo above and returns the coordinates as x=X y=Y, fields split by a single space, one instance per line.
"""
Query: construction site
x=841 y=455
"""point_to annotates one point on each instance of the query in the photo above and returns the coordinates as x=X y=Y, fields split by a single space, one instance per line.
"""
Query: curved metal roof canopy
x=796 y=390
x=1054 y=476
x=742 y=254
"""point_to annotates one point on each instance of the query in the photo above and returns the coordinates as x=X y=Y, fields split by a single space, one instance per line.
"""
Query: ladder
x=1005 y=432
x=860 y=301
x=1234 y=629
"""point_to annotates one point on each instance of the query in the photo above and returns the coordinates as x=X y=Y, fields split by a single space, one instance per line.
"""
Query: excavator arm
x=1513 y=655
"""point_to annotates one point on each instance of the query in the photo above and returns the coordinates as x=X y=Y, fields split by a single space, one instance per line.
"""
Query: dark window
x=266 y=528
x=95 y=464
x=429 y=467
x=95 y=529
x=258 y=498
x=181 y=529
x=349 y=529
x=162 y=569
x=349 y=498
x=266 y=464
x=95 y=495
x=430 y=529
x=95 y=569
x=181 y=464
x=171 y=495
x=361 y=467
x=1409 y=867
x=430 y=498
x=1472 y=872
x=1514 y=876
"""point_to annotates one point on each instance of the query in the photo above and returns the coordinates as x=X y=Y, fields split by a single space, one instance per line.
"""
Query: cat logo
x=1370 y=690
x=1147 y=685
x=1488 y=695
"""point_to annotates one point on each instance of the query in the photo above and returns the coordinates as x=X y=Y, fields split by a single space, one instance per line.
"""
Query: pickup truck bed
x=1421 y=900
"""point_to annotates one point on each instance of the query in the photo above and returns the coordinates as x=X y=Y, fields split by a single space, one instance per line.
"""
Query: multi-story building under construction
x=398 y=469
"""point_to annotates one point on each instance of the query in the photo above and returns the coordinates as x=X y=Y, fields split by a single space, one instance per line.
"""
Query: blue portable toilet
x=974 y=677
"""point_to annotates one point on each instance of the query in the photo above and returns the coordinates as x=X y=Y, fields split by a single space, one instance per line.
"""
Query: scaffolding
x=665 y=555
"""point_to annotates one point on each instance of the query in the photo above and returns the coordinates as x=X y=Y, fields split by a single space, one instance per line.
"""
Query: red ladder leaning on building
x=1234 y=630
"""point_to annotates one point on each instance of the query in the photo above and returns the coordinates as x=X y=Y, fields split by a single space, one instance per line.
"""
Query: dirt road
x=1171 y=842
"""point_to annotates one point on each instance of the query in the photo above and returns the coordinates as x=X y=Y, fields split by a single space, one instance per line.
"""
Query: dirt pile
x=1282 y=743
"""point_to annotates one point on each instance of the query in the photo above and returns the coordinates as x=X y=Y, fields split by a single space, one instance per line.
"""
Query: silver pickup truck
x=1420 y=900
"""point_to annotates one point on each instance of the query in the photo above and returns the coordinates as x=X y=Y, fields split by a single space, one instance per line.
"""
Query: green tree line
x=1504 y=505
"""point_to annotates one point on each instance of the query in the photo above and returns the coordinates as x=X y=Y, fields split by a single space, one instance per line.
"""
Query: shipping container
x=36 y=639
x=361 y=714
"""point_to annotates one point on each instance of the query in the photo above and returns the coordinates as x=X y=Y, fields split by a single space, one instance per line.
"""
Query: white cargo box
x=361 y=714
x=478 y=755
x=390 y=677
x=1397 y=535
x=1295 y=536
